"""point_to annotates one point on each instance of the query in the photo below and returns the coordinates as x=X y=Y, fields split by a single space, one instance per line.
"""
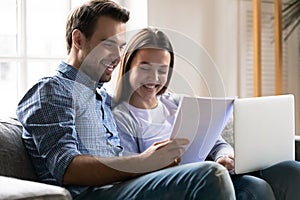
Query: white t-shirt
x=140 y=128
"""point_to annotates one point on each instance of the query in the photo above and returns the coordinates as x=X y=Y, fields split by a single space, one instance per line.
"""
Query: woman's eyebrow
x=145 y=62
x=163 y=66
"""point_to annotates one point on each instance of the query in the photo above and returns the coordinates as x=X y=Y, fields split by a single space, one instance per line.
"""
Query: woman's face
x=148 y=73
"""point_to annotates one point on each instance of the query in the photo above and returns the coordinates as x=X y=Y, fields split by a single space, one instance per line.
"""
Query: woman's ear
x=78 y=39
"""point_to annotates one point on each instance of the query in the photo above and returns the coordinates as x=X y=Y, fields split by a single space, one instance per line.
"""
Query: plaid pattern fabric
x=62 y=118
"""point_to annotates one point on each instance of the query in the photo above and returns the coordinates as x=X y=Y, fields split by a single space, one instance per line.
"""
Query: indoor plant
x=290 y=17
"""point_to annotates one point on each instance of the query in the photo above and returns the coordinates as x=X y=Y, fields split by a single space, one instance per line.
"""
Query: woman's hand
x=227 y=161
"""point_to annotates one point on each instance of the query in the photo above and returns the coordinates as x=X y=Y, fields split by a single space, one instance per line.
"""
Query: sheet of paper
x=201 y=120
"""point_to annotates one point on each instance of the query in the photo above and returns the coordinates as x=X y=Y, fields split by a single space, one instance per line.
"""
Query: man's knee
x=216 y=179
x=212 y=169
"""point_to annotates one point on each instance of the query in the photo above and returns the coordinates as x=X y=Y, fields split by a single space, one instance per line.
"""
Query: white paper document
x=201 y=120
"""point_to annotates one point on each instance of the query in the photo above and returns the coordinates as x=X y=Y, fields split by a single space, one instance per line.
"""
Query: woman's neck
x=142 y=103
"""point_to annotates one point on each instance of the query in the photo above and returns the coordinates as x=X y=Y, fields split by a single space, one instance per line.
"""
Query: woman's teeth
x=150 y=86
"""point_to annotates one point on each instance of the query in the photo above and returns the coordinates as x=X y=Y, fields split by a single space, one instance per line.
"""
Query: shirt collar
x=78 y=76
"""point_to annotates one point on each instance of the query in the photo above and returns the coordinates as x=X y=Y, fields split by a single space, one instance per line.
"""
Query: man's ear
x=78 y=39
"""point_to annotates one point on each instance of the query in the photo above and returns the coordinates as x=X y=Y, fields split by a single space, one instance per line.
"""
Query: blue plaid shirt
x=63 y=116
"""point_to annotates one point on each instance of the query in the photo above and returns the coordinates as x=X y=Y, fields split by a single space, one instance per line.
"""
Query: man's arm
x=93 y=171
x=89 y=170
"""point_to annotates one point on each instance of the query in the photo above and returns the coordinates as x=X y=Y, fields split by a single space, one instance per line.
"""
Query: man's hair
x=85 y=17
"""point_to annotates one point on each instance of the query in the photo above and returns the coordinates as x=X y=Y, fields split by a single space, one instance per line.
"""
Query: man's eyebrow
x=122 y=44
x=108 y=40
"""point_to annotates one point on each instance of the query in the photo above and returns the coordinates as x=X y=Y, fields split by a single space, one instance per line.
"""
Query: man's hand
x=163 y=154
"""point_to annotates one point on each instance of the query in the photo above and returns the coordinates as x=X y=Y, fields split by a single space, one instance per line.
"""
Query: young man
x=71 y=136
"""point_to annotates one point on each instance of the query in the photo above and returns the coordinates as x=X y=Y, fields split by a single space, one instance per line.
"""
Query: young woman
x=145 y=113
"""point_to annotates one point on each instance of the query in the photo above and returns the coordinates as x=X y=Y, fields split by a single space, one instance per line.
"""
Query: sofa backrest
x=227 y=133
x=14 y=159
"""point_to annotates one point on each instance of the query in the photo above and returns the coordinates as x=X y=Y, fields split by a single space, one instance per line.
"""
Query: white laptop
x=201 y=120
x=264 y=130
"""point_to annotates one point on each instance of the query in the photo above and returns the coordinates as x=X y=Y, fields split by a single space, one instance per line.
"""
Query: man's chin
x=105 y=79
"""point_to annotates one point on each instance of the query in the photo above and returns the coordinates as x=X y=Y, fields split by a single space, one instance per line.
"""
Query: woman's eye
x=163 y=72
x=143 y=67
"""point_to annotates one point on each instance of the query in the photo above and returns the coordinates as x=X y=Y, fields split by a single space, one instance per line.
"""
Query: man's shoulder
x=53 y=84
x=47 y=88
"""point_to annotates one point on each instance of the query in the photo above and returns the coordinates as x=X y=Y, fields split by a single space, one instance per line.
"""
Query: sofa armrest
x=12 y=188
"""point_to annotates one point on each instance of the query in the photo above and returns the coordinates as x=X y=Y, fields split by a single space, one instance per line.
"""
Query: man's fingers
x=173 y=143
x=181 y=141
x=161 y=144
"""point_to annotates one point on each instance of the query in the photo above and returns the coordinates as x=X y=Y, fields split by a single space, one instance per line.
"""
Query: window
x=33 y=42
x=291 y=54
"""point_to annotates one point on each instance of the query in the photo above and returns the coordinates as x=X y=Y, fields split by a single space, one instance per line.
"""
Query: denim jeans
x=280 y=181
x=203 y=180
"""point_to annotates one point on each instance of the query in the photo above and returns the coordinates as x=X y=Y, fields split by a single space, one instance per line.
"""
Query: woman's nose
x=153 y=75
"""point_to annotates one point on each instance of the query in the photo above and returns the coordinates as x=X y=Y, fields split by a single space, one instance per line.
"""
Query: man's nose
x=116 y=54
x=116 y=60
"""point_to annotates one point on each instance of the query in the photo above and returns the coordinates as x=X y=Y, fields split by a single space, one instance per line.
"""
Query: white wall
x=214 y=25
x=193 y=24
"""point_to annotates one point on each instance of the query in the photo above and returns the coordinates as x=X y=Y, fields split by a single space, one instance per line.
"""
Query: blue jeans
x=203 y=180
x=280 y=182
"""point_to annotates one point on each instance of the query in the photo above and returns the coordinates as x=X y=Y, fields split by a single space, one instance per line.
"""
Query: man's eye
x=108 y=44
x=122 y=48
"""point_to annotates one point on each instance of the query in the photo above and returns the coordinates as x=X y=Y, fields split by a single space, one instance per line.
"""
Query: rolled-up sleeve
x=47 y=113
x=221 y=148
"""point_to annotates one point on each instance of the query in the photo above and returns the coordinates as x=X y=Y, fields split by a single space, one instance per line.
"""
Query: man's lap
x=181 y=182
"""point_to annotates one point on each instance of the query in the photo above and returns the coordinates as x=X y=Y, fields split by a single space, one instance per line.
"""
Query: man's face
x=103 y=50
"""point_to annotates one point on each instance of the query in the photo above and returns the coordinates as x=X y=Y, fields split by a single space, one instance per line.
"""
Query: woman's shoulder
x=120 y=108
x=125 y=111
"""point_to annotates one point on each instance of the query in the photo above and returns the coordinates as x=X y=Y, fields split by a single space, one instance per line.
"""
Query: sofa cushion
x=14 y=159
x=12 y=188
